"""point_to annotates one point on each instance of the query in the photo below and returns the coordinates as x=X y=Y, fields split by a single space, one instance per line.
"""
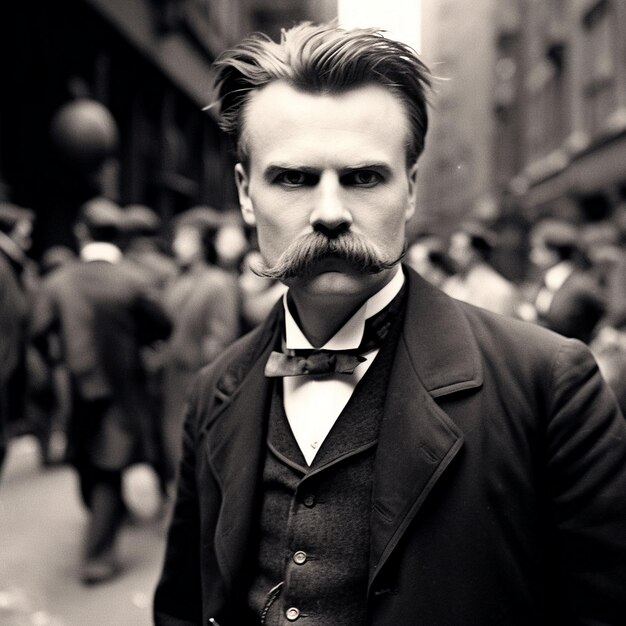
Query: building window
x=601 y=50
x=547 y=102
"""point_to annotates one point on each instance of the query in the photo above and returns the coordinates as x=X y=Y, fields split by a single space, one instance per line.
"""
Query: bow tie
x=313 y=362
x=300 y=362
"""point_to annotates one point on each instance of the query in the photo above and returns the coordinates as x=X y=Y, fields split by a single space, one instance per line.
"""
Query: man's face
x=542 y=256
x=331 y=164
x=187 y=244
x=461 y=251
x=21 y=234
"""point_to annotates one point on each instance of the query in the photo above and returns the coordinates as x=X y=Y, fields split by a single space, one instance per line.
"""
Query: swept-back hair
x=322 y=59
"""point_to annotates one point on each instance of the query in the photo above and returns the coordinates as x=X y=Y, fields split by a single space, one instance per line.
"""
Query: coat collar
x=440 y=342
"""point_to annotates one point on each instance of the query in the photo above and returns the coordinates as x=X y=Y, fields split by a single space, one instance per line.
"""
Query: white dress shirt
x=101 y=251
x=553 y=281
x=313 y=403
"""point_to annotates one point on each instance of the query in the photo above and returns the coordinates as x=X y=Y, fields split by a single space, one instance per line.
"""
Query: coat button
x=309 y=500
x=299 y=557
x=292 y=614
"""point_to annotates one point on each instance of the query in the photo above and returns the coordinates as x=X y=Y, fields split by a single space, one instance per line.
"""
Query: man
x=568 y=299
x=16 y=225
x=428 y=257
x=477 y=282
x=141 y=228
x=103 y=312
x=459 y=467
x=203 y=304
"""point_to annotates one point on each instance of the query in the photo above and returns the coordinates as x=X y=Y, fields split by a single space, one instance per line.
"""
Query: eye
x=293 y=178
x=362 y=178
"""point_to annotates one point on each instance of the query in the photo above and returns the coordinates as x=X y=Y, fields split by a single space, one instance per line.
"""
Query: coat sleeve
x=153 y=324
x=587 y=481
x=178 y=596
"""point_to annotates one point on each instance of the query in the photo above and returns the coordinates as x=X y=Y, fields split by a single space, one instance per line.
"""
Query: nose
x=330 y=214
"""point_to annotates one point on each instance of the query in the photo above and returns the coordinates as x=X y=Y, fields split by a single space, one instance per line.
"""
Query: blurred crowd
x=575 y=283
x=101 y=343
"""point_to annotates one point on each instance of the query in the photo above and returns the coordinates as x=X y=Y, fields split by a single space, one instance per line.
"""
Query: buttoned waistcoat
x=498 y=490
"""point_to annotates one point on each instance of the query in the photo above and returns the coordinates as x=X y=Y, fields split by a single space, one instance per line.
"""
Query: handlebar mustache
x=299 y=258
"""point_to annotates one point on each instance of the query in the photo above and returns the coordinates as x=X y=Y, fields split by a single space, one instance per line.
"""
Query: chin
x=337 y=283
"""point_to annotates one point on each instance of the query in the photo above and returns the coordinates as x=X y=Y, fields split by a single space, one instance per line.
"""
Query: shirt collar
x=101 y=251
x=349 y=336
x=11 y=249
x=557 y=275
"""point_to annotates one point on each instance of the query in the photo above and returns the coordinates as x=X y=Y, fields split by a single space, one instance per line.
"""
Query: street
x=41 y=525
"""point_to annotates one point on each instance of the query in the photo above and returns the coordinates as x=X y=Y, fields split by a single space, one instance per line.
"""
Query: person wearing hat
x=141 y=228
x=427 y=255
x=567 y=299
x=476 y=281
x=204 y=304
x=16 y=225
x=104 y=313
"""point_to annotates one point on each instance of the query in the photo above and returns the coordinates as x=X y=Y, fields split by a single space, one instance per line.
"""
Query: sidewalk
x=41 y=525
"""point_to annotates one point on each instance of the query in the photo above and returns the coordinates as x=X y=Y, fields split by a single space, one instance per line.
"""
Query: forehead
x=282 y=122
x=460 y=239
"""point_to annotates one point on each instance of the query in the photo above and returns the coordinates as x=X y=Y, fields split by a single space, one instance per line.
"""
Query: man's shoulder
x=442 y=314
x=505 y=338
x=487 y=277
x=482 y=321
x=62 y=275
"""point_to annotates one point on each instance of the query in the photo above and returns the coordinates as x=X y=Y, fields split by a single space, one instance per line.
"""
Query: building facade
x=573 y=122
x=456 y=170
x=146 y=63
x=529 y=117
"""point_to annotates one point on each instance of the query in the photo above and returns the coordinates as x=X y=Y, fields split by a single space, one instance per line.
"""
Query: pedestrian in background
x=204 y=305
x=604 y=244
x=144 y=247
x=259 y=294
x=16 y=224
x=54 y=405
x=427 y=255
x=104 y=313
x=143 y=244
x=566 y=298
x=476 y=281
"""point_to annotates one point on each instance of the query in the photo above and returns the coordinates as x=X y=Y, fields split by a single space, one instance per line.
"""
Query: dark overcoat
x=13 y=325
x=499 y=491
x=104 y=314
x=576 y=307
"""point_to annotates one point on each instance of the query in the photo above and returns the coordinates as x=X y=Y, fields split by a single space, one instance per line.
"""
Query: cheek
x=280 y=215
x=388 y=230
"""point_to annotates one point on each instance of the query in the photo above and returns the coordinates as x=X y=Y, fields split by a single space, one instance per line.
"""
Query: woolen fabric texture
x=498 y=487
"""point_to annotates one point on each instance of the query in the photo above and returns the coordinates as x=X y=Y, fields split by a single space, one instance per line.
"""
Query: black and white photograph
x=313 y=312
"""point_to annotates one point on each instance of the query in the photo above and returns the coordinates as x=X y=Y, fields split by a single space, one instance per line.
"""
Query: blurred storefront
x=529 y=115
x=106 y=97
x=573 y=120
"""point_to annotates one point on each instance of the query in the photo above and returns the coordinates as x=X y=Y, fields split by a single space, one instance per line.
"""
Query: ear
x=242 y=181
x=80 y=232
x=412 y=176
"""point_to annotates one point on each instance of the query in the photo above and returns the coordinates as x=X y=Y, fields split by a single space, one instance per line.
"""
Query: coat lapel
x=436 y=355
x=235 y=445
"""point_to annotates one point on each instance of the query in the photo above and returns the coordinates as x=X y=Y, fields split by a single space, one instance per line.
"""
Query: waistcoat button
x=292 y=614
x=299 y=557
x=309 y=500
